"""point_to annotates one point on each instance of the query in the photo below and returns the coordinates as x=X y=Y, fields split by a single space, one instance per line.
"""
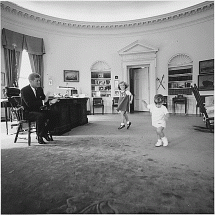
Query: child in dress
x=125 y=98
x=160 y=115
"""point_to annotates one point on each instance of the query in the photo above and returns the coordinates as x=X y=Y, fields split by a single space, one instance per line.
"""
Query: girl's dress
x=124 y=100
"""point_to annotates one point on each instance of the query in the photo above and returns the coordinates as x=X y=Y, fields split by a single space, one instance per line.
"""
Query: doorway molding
x=138 y=54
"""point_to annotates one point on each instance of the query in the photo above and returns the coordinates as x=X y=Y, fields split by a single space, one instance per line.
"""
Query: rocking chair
x=209 y=121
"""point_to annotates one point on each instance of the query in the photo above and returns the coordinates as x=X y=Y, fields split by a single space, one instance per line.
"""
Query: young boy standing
x=159 y=115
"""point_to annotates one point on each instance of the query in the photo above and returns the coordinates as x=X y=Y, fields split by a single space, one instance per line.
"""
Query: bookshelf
x=179 y=81
x=101 y=84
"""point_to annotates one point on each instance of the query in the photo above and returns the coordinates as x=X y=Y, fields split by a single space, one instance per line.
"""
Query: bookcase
x=101 y=84
x=179 y=81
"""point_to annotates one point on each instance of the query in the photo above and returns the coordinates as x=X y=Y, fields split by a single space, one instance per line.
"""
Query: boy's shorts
x=159 y=124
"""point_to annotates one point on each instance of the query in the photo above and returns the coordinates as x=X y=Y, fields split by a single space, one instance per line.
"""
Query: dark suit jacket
x=29 y=101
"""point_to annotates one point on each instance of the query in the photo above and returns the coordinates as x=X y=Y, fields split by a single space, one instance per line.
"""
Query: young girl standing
x=125 y=98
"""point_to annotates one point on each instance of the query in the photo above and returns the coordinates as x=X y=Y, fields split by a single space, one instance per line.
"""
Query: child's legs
x=124 y=115
x=160 y=132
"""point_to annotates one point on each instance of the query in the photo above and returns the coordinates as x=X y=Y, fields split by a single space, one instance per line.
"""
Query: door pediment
x=136 y=48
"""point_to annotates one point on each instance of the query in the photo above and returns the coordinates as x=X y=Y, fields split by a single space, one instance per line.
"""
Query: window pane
x=25 y=70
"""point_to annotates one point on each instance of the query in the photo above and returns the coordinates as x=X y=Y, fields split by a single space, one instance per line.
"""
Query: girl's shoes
x=121 y=126
x=128 y=125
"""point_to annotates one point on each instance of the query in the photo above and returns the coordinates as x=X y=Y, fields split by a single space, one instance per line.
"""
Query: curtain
x=13 y=44
x=34 y=45
x=37 y=65
x=12 y=62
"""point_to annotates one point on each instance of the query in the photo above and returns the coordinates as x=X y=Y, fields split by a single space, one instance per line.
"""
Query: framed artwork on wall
x=206 y=67
x=116 y=85
x=71 y=76
x=206 y=82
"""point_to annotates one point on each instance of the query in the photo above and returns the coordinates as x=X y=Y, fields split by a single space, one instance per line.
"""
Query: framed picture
x=206 y=82
x=71 y=76
x=116 y=85
x=206 y=67
x=2 y=79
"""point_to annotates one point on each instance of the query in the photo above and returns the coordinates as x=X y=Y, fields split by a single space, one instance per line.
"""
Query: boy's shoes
x=128 y=125
x=165 y=141
x=121 y=126
x=159 y=143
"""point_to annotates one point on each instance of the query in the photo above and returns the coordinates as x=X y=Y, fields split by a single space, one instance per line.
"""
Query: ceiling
x=104 y=11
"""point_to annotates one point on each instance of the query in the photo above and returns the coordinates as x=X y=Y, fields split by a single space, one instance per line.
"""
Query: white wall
x=77 y=49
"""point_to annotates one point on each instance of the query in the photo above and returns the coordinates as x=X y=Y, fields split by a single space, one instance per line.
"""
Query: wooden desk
x=70 y=113
x=179 y=100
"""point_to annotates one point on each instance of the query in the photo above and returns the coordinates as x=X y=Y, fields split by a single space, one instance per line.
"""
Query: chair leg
x=93 y=110
x=103 y=110
x=208 y=125
x=17 y=132
x=50 y=135
x=29 y=133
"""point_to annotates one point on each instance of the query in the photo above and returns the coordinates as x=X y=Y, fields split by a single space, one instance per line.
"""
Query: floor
x=190 y=153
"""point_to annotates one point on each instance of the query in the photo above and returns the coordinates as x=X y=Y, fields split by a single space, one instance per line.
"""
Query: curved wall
x=77 y=46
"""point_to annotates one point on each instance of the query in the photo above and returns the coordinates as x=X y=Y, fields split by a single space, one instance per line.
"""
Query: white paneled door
x=141 y=88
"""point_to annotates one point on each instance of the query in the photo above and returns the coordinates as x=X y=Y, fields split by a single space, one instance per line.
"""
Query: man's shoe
x=128 y=125
x=40 y=140
x=121 y=126
x=47 y=137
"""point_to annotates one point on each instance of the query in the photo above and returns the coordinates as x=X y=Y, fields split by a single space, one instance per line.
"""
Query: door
x=141 y=88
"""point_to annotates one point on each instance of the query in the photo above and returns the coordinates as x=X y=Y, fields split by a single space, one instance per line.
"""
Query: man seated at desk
x=32 y=97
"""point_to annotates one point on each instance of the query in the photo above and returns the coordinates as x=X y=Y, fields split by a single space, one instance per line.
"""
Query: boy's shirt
x=157 y=113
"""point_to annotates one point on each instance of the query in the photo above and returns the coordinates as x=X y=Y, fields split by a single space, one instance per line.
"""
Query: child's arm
x=145 y=103
x=131 y=98
x=166 y=116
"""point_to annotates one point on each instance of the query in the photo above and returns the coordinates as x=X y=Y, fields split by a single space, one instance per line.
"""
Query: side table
x=179 y=100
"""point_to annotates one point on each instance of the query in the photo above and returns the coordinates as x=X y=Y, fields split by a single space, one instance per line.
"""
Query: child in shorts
x=159 y=115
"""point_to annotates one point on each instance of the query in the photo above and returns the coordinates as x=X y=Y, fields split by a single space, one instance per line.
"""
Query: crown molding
x=28 y=14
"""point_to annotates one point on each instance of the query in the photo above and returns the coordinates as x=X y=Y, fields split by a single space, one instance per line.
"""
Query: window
x=25 y=70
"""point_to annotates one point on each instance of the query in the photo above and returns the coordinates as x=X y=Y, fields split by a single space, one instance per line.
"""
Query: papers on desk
x=53 y=101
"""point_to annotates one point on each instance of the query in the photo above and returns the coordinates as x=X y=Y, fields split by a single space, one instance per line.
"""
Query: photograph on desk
x=206 y=82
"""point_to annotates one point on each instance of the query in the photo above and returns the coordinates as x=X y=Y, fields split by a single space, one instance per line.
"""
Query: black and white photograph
x=107 y=107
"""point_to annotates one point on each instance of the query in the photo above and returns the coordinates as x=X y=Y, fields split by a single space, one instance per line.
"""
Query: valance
x=33 y=45
x=11 y=38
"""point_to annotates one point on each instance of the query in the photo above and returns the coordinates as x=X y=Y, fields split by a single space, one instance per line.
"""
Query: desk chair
x=97 y=103
x=18 y=113
x=115 y=103
x=209 y=121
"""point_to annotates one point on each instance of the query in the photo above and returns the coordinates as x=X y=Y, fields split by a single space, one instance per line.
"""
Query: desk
x=70 y=113
x=179 y=100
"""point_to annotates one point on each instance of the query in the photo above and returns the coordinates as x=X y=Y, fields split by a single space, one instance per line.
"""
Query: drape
x=12 y=62
x=13 y=44
x=37 y=65
x=34 y=45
